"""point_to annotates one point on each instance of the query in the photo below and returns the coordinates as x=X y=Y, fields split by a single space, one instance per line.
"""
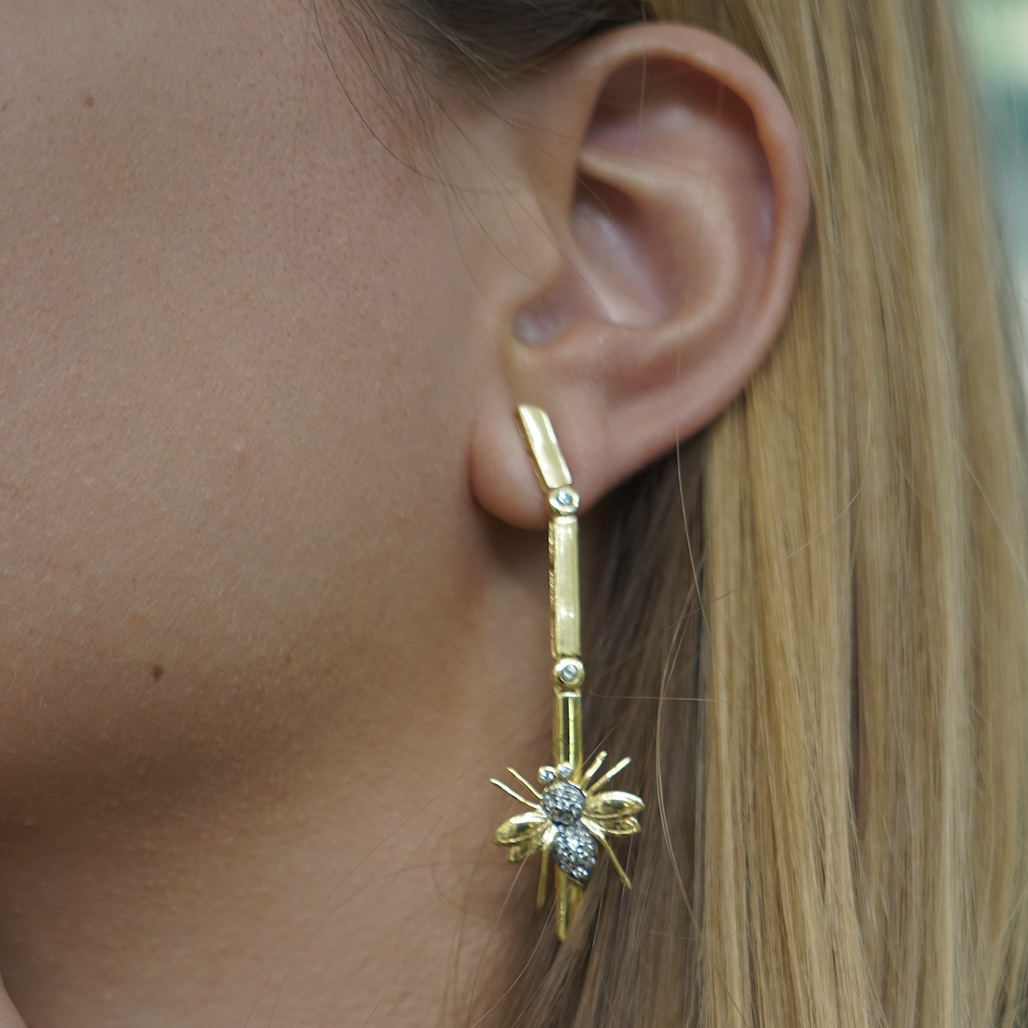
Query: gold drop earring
x=571 y=811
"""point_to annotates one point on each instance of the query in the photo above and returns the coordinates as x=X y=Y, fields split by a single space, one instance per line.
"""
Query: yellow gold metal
x=510 y=792
x=575 y=893
x=526 y=783
x=567 y=728
x=569 y=895
x=544 y=867
x=596 y=764
x=614 y=860
x=572 y=812
x=604 y=813
x=623 y=762
x=541 y=440
x=566 y=639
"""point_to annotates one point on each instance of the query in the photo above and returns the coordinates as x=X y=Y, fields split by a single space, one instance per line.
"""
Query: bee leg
x=595 y=765
x=614 y=860
x=600 y=782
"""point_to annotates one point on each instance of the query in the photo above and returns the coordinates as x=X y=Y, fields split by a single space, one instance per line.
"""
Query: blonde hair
x=865 y=741
x=813 y=616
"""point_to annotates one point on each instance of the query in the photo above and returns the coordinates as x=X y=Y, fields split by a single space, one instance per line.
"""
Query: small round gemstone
x=574 y=851
x=563 y=803
x=569 y=672
x=547 y=775
x=564 y=500
x=565 y=771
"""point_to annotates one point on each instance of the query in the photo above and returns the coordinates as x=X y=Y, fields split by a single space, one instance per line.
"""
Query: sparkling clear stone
x=568 y=673
x=566 y=498
x=547 y=775
x=563 y=803
x=574 y=852
x=564 y=771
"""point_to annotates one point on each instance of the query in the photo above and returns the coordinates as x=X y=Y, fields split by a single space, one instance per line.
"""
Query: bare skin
x=246 y=606
x=264 y=637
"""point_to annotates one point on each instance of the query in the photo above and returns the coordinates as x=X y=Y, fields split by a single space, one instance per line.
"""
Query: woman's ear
x=667 y=173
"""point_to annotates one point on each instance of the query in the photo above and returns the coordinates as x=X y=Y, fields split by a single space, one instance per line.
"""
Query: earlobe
x=676 y=191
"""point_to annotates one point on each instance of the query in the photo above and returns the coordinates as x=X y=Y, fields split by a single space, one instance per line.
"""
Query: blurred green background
x=999 y=33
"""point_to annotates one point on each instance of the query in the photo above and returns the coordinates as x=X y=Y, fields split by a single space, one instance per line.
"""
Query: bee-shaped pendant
x=566 y=820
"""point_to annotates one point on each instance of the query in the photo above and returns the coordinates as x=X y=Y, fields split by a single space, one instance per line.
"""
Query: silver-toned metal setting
x=569 y=673
x=564 y=501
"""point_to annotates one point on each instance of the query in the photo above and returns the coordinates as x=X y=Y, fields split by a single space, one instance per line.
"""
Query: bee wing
x=621 y=825
x=604 y=805
x=520 y=828
x=524 y=849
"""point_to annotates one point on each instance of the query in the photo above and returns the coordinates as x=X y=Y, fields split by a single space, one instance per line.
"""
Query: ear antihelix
x=572 y=811
x=621 y=248
x=610 y=276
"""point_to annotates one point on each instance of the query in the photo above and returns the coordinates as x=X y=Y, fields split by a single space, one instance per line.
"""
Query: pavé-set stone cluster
x=574 y=849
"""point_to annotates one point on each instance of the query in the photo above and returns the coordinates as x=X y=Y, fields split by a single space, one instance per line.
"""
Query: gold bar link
x=537 y=430
x=567 y=728
x=566 y=638
x=563 y=904
x=575 y=893
x=569 y=896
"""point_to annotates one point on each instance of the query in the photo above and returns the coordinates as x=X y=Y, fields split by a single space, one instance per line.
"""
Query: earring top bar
x=550 y=467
